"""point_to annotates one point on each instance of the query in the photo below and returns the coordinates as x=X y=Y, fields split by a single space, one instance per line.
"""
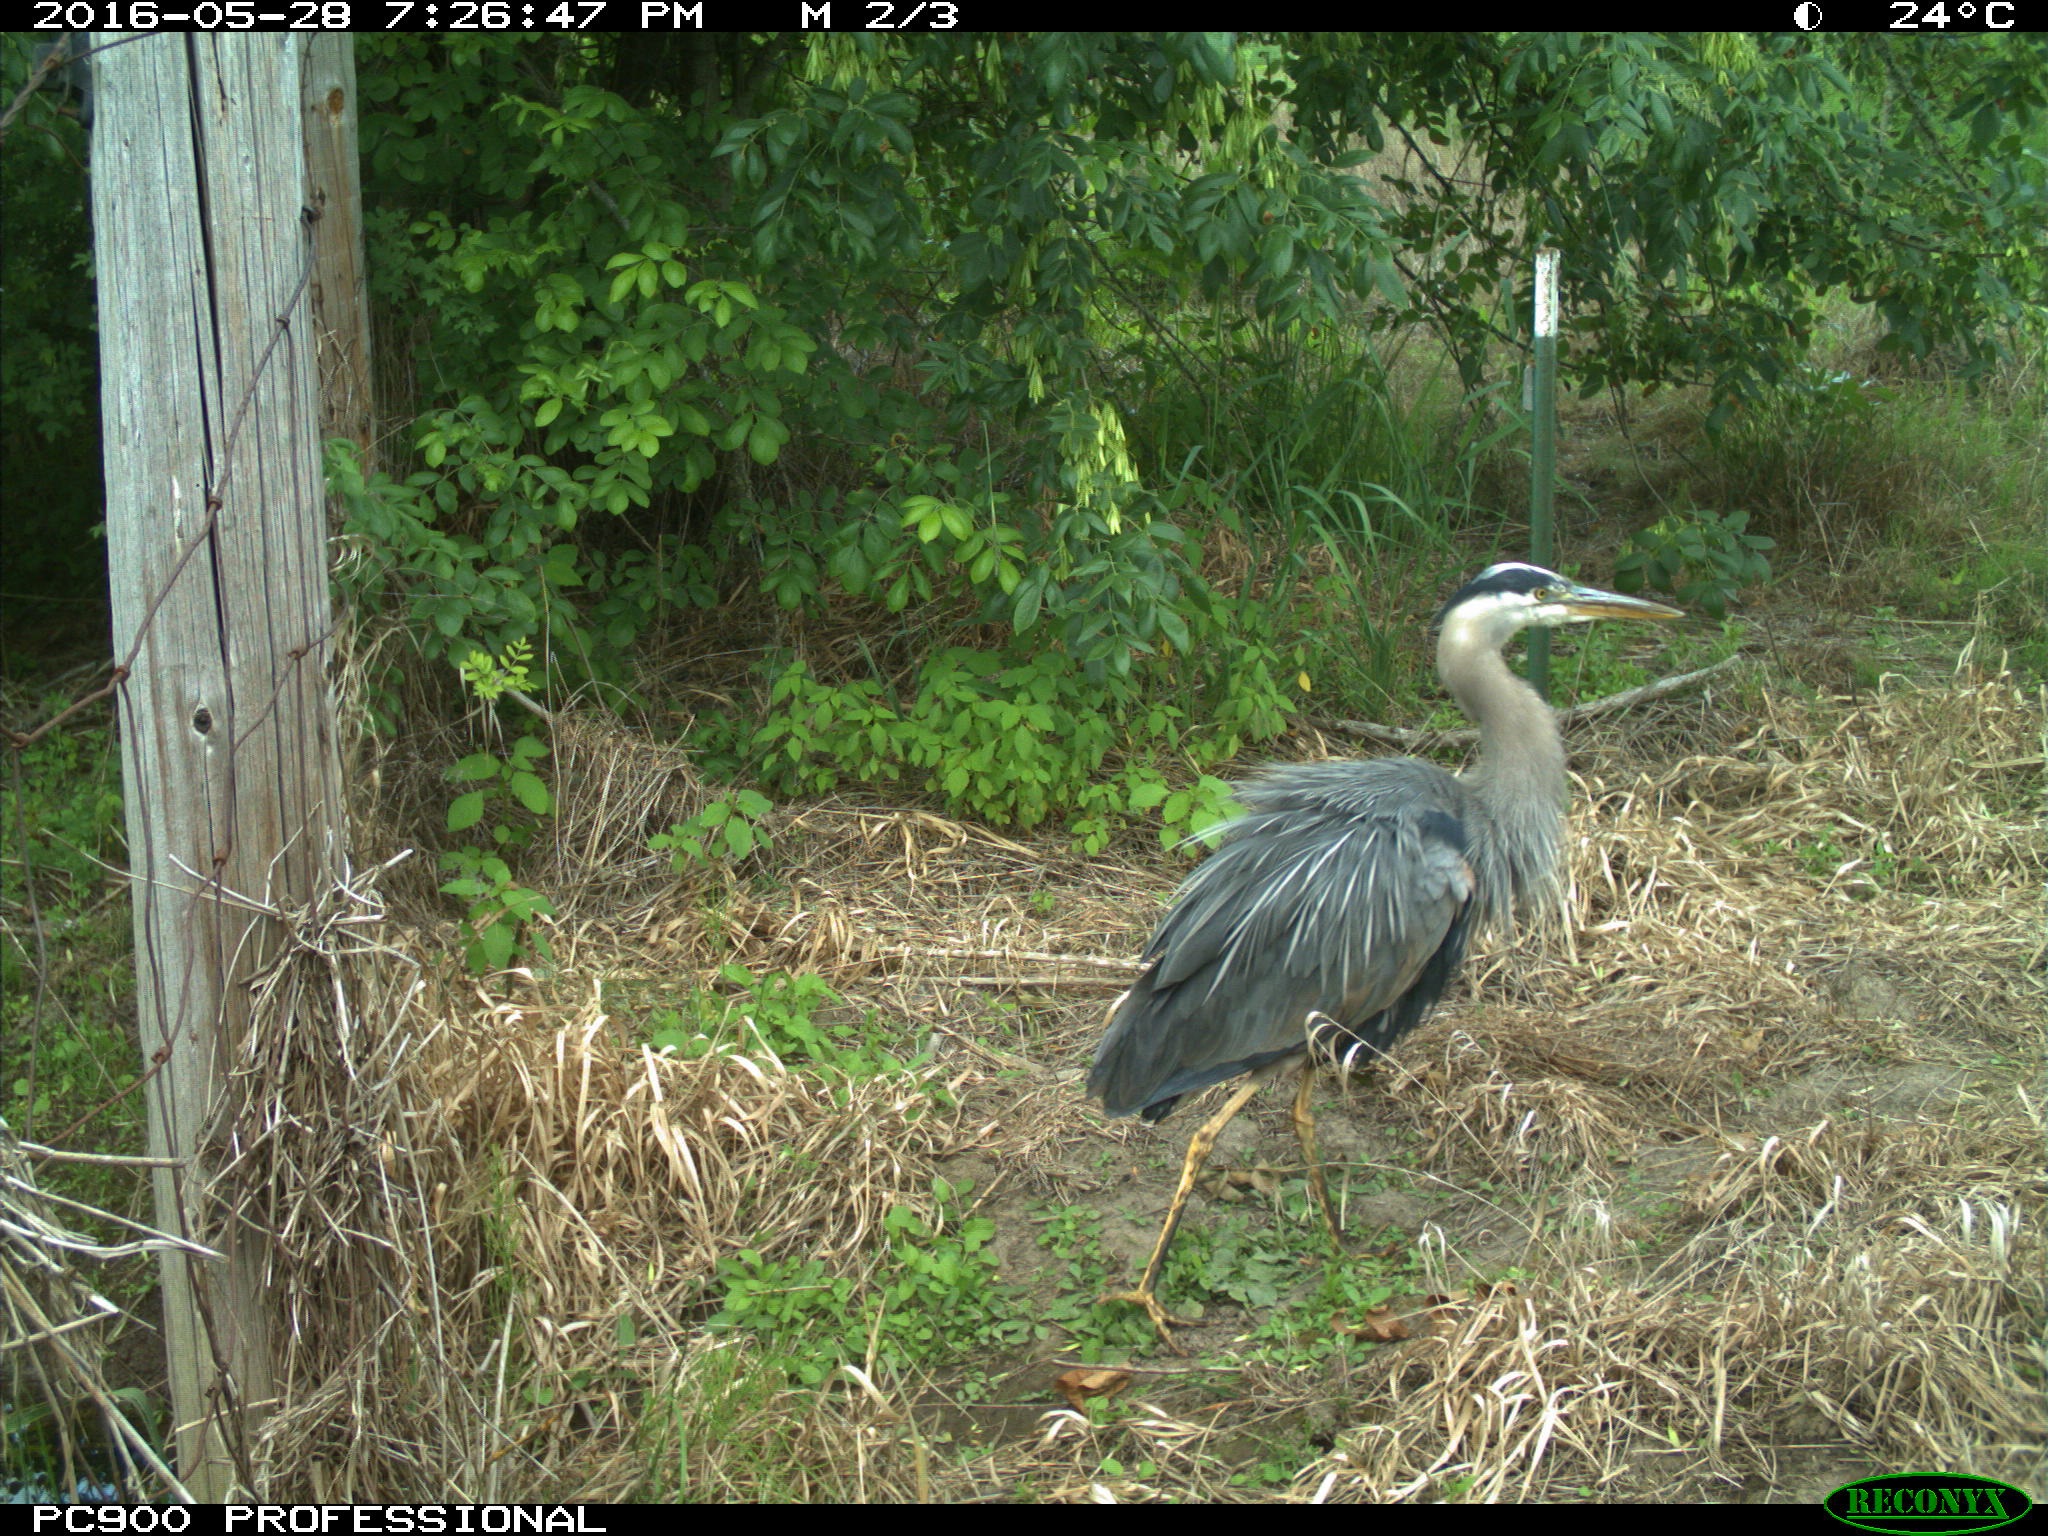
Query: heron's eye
x=1544 y=594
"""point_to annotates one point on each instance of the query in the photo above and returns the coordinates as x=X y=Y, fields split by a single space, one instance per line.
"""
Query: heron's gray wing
x=1344 y=890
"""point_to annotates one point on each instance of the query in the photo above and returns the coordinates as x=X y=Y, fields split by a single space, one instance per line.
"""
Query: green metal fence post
x=1543 y=450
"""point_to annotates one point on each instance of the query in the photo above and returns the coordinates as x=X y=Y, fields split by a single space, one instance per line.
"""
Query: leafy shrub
x=1011 y=743
x=725 y=830
x=1701 y=558
x=504 y=916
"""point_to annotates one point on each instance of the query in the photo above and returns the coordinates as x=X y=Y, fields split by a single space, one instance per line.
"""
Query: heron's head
x=1502 y=600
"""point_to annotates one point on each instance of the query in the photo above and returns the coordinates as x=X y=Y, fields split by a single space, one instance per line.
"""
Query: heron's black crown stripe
x=1508 y=576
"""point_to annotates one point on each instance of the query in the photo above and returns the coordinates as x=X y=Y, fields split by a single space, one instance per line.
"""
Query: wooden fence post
x=216 y=541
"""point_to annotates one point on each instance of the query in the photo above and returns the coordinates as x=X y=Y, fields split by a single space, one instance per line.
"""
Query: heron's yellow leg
x=1199 y=1147
x=1305 y=1133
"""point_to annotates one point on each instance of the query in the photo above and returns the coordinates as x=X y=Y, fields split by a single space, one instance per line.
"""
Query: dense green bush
x=883 y=321
x=973 y=343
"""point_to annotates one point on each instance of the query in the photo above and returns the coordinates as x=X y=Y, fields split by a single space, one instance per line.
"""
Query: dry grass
x=1762 y=1248
x=1750 y=1132
x=51 y=1311
x=1755 y=1133
x=1756 y=1138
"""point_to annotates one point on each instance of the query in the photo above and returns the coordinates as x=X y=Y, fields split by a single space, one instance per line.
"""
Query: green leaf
x=1029 y=595
x=1146 y=794
x=532 y=793
x=1174 y=628
x=764 y=442
x=496 y=942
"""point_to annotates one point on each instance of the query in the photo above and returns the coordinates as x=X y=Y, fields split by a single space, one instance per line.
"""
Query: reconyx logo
x=1916 y=1502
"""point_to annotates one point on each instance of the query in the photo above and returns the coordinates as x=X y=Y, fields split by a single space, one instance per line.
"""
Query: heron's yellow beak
x=1597 y=603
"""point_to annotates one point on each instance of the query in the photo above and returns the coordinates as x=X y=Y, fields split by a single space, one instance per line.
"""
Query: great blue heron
x=1340 y=901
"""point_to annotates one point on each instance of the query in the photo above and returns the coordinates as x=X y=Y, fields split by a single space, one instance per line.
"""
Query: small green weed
x=724 y=1424
x=1072 y=1236
x=1860 y=875
x=1281 y=1458
x=936 y=1298
x=1110 y=1467
x=725 y=831
x=1597 y=663
x=787 y=1017
x=1311 y=1327
x=504 y=917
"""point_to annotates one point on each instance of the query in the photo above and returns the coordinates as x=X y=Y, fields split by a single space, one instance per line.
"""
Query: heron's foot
x=1162 y=1319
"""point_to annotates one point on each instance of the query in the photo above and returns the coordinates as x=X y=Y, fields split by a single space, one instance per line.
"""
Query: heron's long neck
x=1518 y=783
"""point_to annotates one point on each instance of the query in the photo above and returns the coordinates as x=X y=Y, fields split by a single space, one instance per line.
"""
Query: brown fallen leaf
x=1080 y=1384
x=1381 y=1326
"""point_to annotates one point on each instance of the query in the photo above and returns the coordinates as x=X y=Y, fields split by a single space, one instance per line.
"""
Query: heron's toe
x=1162 y=1320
